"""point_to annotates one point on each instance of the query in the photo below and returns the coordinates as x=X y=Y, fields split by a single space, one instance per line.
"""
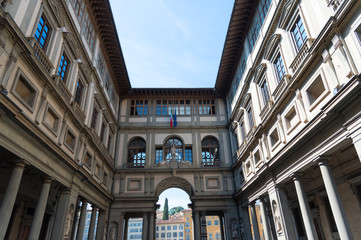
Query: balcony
x=301 y=55
x=335 y=4
x=266 y=109
x=281 y=86
x=134 y=165
x=215 y=164
x=39 y=52
x=62 y=87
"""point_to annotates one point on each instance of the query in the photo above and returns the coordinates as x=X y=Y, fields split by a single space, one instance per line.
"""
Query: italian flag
x=171 y=117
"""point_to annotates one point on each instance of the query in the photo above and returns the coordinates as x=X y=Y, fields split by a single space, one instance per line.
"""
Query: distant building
x=188 y=224
x=170 y=229
x=135 y=228
x=213 y=228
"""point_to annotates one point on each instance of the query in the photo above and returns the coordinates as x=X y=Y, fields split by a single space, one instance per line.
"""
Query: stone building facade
x=280 y=130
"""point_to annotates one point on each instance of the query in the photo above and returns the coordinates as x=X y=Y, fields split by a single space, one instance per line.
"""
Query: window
x=258 y=20
x=173 y=148
x=250 y=116
x=187 y=224
x=97 y=170
x=210 y=152
x=291 y=119
x=158 y=155
x=175 y=234
x=88 y=160
x=136 y=153
x=42 y=32
x=209 y=223
x=88 y=31
x=162 y=235
x=94 y=118
x=206 y=107
x=315 y=90
x=256 y=157
x=175 y=227
x=105 y=178
x=78 y=6
x=51 y=119
x=63 y=67
x=210 y=236
x=139 y=108
x=25 y=92
x=265 y=92
x=299 y=33
x=279 y=67
x=216 y=222
x=188 y=154
x=70 y=139
x=163 y=228
x=180 y=234
x=274 y=138
x=79 y=92
x=102 y=132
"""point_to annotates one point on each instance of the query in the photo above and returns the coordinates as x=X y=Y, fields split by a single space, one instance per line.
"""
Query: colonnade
x=281 y=218
x=64 y=223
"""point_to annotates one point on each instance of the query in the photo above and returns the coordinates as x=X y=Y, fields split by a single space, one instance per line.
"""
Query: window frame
x=20 y=76
x=44 y=47
x=137 y=150
x=61 y=67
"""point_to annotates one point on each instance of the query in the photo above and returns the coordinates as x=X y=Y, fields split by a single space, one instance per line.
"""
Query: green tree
x=175 y=210
x=165 y=210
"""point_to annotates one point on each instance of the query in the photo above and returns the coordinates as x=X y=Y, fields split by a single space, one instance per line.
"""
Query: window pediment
x=287 y=12
x=259 y=72
x=272 y=45
x=246 y=99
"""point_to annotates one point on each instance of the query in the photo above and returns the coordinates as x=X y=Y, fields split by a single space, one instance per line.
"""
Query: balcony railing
x=62 y=87
x=281 y=86
x=301 y=55
x=266 y=109
x=134 y=165
x=335 y=4
x=39 y=52
x=214 y=164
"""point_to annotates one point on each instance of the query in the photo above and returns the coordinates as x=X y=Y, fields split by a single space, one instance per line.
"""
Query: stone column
x=267 y=230
x=197 y=225
x=64 y=216
x=305 y=210
x=221 y=226
x=145 y=226
x=254 y=222
x=39 y=210
x=8 y=200
x=80 y=233
x=151 y=226
x=121 y=226
x=125 y=229
x=92 y=223
x=203 y=226
x=335 y=202
x=101 y=224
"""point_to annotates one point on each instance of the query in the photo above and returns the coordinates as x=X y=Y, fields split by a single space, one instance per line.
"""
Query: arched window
x=173 y=148
x=210 y=152
x=136 y=153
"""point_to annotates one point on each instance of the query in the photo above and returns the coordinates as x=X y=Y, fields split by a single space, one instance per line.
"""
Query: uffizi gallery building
x=280 y=130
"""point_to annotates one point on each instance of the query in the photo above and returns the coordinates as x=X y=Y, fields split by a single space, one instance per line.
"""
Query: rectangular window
x=279 y=66
x=105 y=178
x=70 y=140
x=299 y=33
x=206 y=107
x=42 y=32
x=158 y=155
x=139 y=108
x=188 y=154
x=102 y=132
x=250 y=117
x=88 y=31
x=94 y=118
x=265 y=92
x=63 y=67
x=243 y=131
x=25 y=92
x=88 y=160
x=78 y=6
x=79 y=92
x=51 y=119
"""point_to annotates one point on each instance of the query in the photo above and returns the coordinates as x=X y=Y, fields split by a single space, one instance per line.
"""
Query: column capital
x=322 y=159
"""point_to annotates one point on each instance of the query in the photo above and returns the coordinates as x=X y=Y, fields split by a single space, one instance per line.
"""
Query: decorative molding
x=271 y=45
x=288 y=10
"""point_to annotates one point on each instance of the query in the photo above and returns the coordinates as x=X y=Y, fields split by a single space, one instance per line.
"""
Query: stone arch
x=174 y=182
x=173 y=136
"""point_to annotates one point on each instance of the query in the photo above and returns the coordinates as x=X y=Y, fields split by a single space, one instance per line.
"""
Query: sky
x=176 y=197
x=172 y=43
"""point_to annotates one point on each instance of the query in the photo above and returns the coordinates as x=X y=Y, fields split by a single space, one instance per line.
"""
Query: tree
x=165 y=210
x=175 y=210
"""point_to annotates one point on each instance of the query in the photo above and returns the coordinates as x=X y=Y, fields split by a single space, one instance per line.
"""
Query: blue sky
x=176 y=197
x=172 y=43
